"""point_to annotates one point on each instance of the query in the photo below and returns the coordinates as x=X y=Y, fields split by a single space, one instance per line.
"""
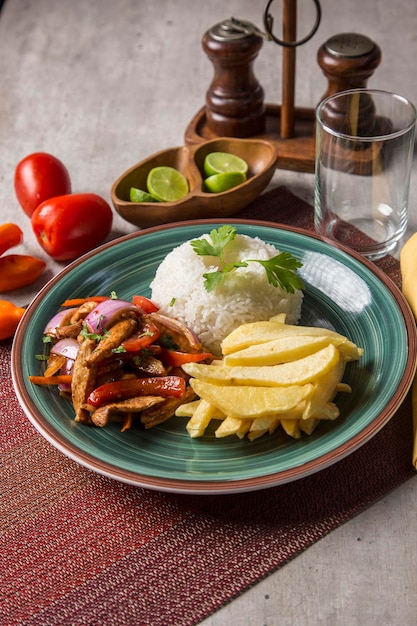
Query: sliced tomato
x=145 y=304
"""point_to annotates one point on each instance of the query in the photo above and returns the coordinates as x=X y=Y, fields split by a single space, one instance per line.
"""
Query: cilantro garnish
x=119 y=349
x=85 y=334
x=280 y=270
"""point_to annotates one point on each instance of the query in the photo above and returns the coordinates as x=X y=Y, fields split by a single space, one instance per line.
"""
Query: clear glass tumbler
x=364 y=154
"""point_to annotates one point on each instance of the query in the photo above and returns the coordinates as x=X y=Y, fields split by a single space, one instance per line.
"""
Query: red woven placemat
x=81 y=549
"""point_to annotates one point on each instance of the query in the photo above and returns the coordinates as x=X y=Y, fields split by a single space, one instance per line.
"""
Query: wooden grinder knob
x=348 y=60
x=234 y=100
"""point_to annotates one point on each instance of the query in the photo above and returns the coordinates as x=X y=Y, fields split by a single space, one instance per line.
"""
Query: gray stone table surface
x=102 y=85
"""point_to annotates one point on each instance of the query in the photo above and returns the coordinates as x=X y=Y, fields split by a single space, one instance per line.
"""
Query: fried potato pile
x=271 y=374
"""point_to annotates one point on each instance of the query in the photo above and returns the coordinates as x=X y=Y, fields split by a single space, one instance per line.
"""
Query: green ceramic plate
x=343 y=293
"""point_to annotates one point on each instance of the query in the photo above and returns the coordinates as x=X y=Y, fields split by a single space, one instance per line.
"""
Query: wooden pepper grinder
x=235 y=99
x=348 y=60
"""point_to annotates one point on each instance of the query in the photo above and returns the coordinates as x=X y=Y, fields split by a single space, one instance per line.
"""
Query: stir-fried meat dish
x=117 y=362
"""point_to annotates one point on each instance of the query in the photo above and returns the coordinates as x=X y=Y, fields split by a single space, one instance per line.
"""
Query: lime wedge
x=138 y=195
x=167 y=184
x=220 y=162
x=223 y=182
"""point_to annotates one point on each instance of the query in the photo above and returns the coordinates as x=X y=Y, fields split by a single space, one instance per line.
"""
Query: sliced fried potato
x=264 y=423
x=324 y=391
x=292 y=428
x=255 y=434
x=308 y=426
x=273 y=374
x=261 y=332
x=285 y=349
x=244 y=428
x=230 y=426
x=188 y=409
x=278 y=351
x=246 y=401
x=201 y=418
x=298 y=372
x=279 y=317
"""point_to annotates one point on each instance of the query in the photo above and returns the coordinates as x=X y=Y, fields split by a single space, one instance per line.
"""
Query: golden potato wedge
x=324 y=391
x=230 y=426
x=278 y=351
x=279 y=317
x=308 y=426
x=261 y=332
x=245 y=425
x=264 y=423
x=201 y=418
x=285 y=349
x=246 y=401
x=187 y=409
x=343 y=387
x=255 y=434
x=292 y=428
x=298 y=372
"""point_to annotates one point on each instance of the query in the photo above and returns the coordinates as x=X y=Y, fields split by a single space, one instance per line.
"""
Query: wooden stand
x=234 y=100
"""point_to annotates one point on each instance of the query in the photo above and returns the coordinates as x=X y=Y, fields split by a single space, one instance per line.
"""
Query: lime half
x=223 y=182
x=221 y=162
x=138 y=195
x=167 y=184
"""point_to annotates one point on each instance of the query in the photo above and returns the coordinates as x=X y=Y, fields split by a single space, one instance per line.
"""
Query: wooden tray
x=297 y=153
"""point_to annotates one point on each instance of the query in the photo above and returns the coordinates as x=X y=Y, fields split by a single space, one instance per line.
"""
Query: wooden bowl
x=197 y=204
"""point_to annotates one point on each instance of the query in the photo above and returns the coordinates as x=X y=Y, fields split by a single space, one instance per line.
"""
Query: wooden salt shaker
x=235 y=99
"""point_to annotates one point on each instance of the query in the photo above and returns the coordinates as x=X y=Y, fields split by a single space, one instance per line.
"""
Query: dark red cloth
x=81 y=549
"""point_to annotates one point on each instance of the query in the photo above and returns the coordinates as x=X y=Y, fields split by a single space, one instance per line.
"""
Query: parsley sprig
x=280 y=270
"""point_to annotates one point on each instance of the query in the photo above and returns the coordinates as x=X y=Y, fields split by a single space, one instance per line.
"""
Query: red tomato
x=37 y=178
x=68 y=226
x=145 y=304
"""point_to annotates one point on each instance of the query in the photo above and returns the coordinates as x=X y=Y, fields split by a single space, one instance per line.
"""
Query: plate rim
x=213 y=486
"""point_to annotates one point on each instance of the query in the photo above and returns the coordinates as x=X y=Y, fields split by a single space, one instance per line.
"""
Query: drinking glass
x=364 y=153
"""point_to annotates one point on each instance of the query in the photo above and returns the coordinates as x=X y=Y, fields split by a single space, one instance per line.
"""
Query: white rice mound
x=243 y=295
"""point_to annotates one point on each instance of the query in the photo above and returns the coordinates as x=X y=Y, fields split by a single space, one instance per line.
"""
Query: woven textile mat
x=81 y=549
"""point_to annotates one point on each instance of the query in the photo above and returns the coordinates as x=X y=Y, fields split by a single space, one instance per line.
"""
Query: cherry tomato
x=38 y=177
x=68 y=226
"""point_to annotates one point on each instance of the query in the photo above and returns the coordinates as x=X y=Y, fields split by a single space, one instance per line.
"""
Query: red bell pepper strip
x=144 y=338
x=165 y=386
x=172 y=357
x=80 y=301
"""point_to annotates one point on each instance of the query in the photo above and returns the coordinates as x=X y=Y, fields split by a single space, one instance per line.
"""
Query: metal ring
x=268 y=19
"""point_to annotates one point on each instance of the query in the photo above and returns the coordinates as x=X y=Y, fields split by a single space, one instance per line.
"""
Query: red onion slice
x=67 y=347
x=66 y=369
x=170 y=323
x=103 y=315
x=59 y=319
